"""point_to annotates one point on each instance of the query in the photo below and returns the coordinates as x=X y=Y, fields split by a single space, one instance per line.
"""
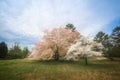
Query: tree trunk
x=86 y=60
x=56 y=55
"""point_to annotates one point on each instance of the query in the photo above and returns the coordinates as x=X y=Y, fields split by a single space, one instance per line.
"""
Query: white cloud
x=40 y=16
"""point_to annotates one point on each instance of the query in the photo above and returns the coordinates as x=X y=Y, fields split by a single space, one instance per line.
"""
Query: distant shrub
x=17 y=53
x=25 y=52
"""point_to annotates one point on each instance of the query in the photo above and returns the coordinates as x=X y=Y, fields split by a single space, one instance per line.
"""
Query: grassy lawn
x=23 y=69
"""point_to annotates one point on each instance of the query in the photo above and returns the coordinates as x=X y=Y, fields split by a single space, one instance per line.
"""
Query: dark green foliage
x=70 y=26
x=99 y=36
x=25 y=52
x=111 y=44
x=16 y=52
x=116 y=36
x=3 y=50
x=114 y=52
x=103 y=38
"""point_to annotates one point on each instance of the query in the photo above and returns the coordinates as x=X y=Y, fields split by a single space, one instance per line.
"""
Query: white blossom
x=84 y=47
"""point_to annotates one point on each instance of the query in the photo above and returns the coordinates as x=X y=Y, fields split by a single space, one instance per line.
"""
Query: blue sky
x=24 y=21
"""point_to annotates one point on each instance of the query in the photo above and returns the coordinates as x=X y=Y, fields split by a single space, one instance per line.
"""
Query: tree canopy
x=17 y=52
x=116 y=36
x=103 y=38
x=3 y=50
x=70 y=26
x=111 y=42
x=54 y=43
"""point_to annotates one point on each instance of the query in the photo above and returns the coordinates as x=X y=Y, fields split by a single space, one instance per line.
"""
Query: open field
x=23 y=69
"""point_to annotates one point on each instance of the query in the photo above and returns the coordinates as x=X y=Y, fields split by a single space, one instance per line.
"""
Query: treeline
x=15 y=52
x=111 y=42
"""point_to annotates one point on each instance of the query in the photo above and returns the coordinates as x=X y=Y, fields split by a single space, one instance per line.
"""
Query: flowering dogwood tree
x=84 y=47
x=54 y=43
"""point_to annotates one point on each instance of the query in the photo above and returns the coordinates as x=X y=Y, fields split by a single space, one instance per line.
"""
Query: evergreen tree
x=116 y=36
x=3 y=50
x=103 y=38
x=70 y=26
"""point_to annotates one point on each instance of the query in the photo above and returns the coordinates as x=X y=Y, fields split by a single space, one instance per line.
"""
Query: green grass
x=23 y=69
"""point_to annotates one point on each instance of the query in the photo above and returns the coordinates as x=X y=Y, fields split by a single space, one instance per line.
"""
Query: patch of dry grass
x=59 y=70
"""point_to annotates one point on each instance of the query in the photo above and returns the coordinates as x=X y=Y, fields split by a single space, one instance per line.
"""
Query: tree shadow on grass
x=94 y=65
x=47 y=62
